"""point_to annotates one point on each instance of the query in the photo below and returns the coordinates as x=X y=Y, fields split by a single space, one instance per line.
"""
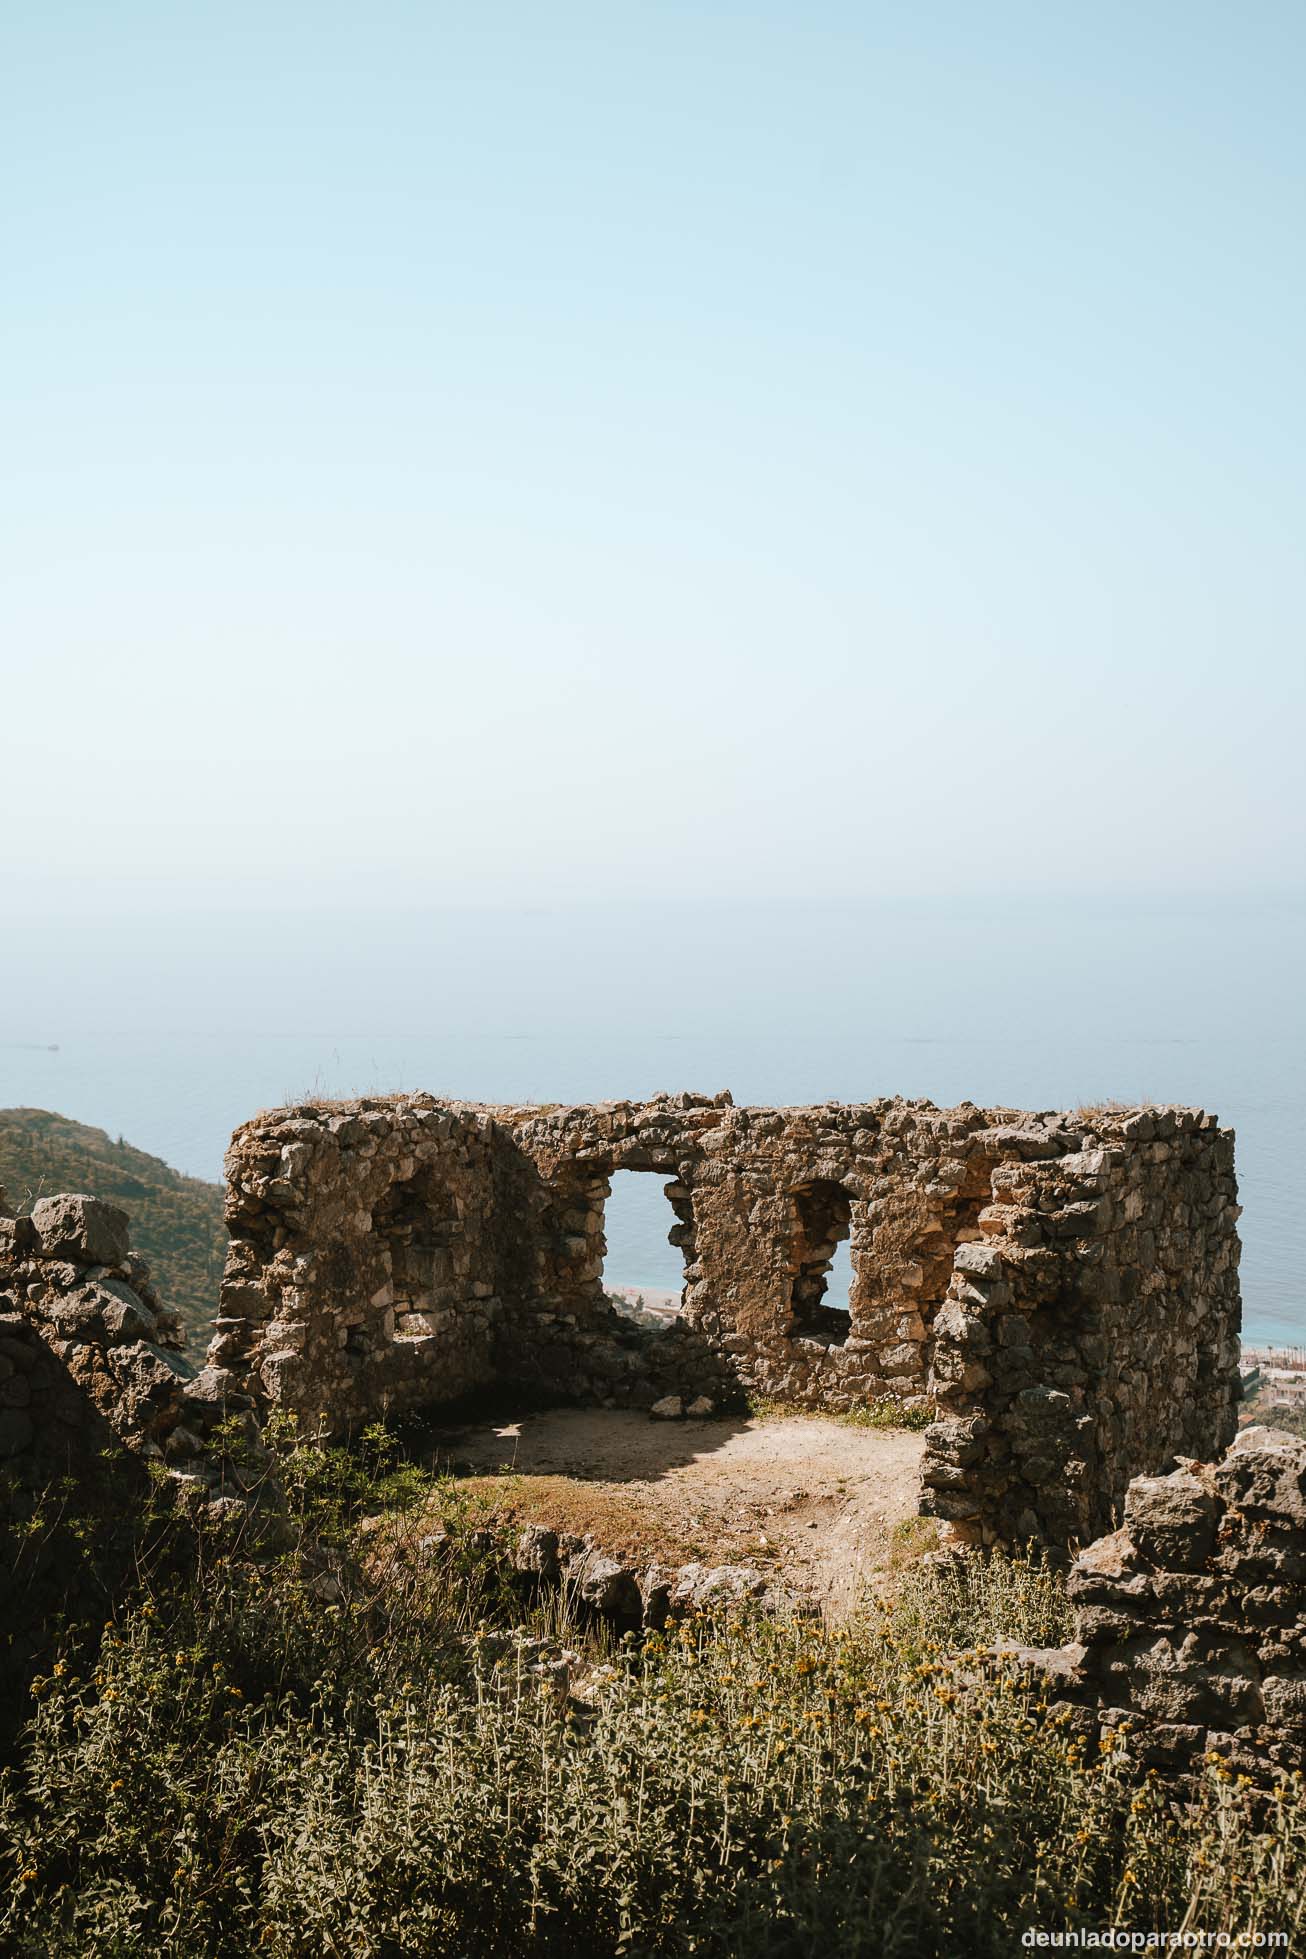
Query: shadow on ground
x=820 y=1503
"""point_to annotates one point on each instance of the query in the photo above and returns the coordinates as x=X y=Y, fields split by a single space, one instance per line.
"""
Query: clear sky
x=683 y=449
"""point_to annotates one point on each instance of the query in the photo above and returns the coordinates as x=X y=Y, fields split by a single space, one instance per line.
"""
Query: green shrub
x=255 y=1765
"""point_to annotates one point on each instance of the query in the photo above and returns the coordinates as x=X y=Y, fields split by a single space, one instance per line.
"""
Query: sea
x=170 y=1027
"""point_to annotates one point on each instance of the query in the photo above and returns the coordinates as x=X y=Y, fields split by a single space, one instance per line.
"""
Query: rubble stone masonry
x=1190 y=1630
x=1063 y=1288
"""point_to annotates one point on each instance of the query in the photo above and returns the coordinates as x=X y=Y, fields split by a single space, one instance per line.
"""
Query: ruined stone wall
x=370 y=1254
x=90 y=1358
x=1190 y=1620
x=401 y=1251
x=1093 y=1333
x=69 y=1275
x=1065 y=1288
x=91 y=1389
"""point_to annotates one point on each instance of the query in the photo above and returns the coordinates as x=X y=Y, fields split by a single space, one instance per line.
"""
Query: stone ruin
x=1190 y=1620
x=73 y=1291
x=1061 y=1289
x=94 y=1394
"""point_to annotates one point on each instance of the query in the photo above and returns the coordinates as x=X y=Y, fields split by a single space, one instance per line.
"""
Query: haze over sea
x=171 y=1034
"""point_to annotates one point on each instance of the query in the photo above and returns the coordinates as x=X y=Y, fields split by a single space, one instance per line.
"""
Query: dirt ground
x=822 y=1505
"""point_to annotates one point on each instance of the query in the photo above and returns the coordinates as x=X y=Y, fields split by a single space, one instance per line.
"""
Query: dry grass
x=626 y=1524
x=884 y=1413
x=912 y=1540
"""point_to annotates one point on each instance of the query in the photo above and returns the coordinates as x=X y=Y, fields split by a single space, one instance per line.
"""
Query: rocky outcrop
x=1190 y=1620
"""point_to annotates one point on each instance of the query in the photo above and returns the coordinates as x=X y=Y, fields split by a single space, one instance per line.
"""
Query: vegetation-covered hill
x=176 y=1221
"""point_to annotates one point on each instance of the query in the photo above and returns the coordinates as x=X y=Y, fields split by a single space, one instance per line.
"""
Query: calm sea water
x=170 y=1032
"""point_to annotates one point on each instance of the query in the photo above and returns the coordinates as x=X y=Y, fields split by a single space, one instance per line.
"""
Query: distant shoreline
x=1283 y=1357
x=653 y=1299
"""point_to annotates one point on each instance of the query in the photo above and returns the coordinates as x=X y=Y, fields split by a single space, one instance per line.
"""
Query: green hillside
x=176 y=1221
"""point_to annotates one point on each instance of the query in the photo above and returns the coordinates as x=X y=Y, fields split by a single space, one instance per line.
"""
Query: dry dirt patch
x=814 y=1501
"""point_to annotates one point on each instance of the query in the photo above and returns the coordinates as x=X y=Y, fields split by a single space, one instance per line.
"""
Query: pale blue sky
x=681 y=450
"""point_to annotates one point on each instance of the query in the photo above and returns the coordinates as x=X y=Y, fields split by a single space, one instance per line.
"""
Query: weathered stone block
x=1172 y=1520
x=1264 y=1476
x=84 y=1230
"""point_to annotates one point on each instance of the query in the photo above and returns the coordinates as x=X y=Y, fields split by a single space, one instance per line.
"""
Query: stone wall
x=86 y=1374
x=69 y=1275
x=1093 y=1333
x=91 y=1371
x=1191 y=1619
x=397 y=1252
x=1064 y=1287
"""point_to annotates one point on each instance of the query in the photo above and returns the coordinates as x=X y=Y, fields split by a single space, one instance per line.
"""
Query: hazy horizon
x=692 y=452
x=172 y=1037
x=569 y=554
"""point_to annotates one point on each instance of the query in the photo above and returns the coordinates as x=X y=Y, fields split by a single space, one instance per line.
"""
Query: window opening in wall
x=839 y=1279
x=646 y=1236
x=822 y=1263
